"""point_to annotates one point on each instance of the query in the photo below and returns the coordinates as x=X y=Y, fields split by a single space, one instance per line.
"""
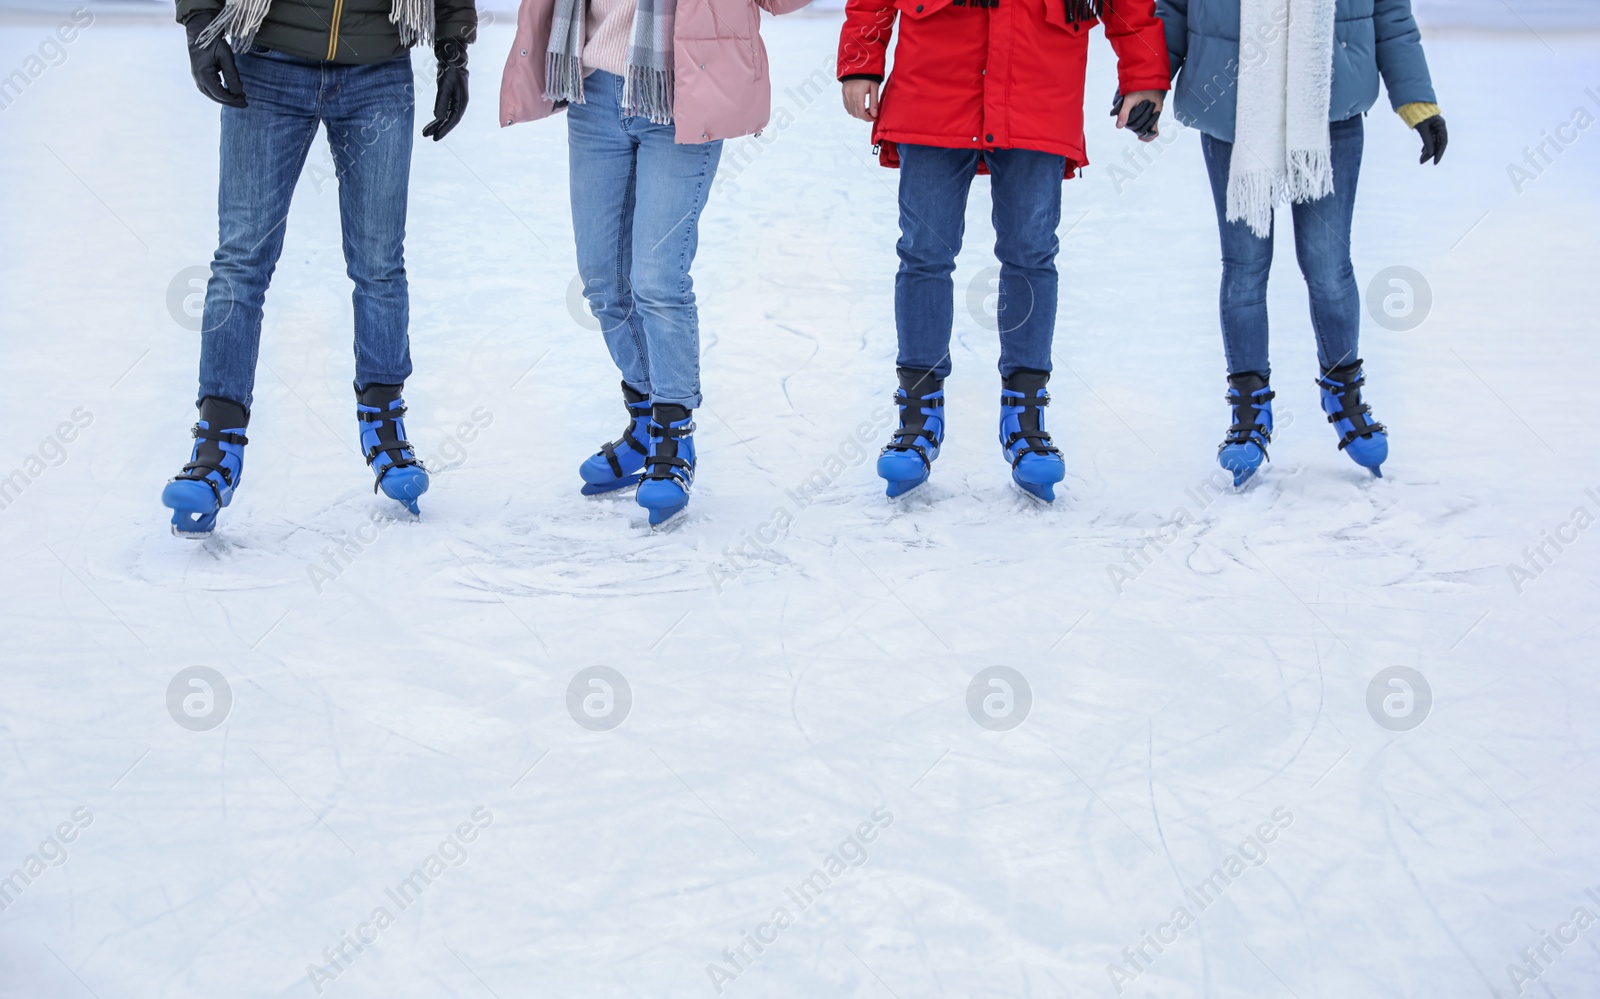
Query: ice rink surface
x=397 y=723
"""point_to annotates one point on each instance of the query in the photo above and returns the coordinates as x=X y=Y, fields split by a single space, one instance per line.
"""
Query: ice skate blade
x=188 y=522
x=611 y=486
x=413 y=511
x=666 y=517
x=895 y=488
x=1046 y=495
x=191 y=535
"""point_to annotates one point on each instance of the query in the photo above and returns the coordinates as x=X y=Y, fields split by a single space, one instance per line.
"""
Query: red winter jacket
x=994 y=74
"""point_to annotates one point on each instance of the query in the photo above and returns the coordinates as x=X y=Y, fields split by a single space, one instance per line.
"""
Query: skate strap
x=901 y=399
x=1043 y=447
x=1247 y=427
x=1340 y=388
x=387 y=414
x=918 y=449
x=910 y=433
x=404 y=461
x=1356 y=416
x=634 y=443
x=1236 y=399
x=1351 y=408
x=203 y=469
x=397 y=452
x=658 y=431
x=199 y=471
x=1360 y=426
x=665 y=466
x=905 y=439
x=1368 y=431
x=609 y=452
x=1249 y=433
x=1241 y=433
x=221 y=436
x=1024 y=401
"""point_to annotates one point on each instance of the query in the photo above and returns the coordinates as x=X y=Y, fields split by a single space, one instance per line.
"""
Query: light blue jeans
x=636 y=202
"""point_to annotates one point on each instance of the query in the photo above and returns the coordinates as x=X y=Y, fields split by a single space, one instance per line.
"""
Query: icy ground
x=418 y=689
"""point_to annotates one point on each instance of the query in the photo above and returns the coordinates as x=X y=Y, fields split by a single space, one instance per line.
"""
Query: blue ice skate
x=380 y=415
x=669 y=467
x=1366 y=442
x=619 y=464
x=1245 y=447
x=904 y=463
x=216 y=464
x=1036 y=463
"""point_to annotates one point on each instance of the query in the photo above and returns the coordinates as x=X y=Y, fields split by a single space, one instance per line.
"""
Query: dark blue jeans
x=1321 y=244
x=368 y=113
x=1026 y=191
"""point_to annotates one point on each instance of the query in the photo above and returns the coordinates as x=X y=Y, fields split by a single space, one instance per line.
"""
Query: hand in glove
x=451 y=101
x=1434 y=138
x=207 y=62
x=1144 y=116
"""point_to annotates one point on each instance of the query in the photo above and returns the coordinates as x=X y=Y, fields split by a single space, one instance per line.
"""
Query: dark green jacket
x=347 y=31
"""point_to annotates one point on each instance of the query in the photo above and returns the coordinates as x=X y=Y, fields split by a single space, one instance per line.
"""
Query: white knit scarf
x=1280 y=143
x=241 y=19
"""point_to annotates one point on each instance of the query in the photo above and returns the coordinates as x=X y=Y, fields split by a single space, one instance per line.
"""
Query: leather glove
x=1142 y=119
x=207 y=62
x=1434 y=138
x=450 y=102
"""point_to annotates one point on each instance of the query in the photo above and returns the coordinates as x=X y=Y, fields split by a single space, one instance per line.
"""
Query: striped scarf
x=647 y=87
x=241 y=19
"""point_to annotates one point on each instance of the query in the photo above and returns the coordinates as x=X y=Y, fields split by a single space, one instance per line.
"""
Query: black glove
x=1434 y=138
x=207 y=62
x=1142 y=119
x=451 y=101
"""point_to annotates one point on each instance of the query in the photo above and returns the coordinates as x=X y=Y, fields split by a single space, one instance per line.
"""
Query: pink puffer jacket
x=721 y=90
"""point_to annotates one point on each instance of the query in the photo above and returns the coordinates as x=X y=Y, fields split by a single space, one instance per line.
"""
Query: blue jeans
x=1026 y=191
x=636 y=201
x=1321 y=244
x=368 y=114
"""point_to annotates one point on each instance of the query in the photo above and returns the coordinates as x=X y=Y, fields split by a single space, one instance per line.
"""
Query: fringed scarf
x=241 y=19
x=1280 y=146
x=647 y=90
x=1077 y=10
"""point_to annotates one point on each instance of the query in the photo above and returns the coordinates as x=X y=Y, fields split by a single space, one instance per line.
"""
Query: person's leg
x=602 y=161
x=1322 y=246
x=1246 y=263
x=933 y=209
x=263 y=149
x=1026 y=191
x=1027 y=211
x=368 y=111
x=671 y=187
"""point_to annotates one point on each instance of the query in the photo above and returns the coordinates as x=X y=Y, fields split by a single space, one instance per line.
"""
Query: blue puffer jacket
x=1373 y=38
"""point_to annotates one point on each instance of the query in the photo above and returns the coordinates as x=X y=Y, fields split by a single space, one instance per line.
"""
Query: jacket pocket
x=1060 y=13
x=918 y=9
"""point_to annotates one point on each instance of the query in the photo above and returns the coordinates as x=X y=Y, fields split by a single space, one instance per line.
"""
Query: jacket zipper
x=333 y=31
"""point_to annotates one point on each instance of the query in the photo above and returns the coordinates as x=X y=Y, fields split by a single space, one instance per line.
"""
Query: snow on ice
x=1329 y=736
